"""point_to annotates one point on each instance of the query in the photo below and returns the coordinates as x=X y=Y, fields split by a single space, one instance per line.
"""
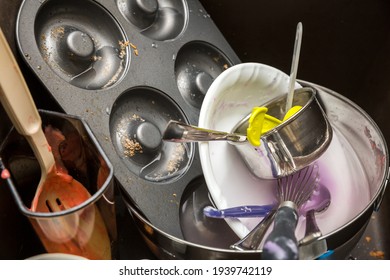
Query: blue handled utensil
x=246 y=211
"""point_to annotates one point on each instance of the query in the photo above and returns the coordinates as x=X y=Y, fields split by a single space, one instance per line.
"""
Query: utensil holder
x=88 y=229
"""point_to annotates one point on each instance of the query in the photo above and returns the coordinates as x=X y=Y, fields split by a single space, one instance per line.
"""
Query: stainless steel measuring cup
x=293 y=144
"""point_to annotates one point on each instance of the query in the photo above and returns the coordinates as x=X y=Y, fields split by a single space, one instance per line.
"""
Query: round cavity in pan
x=156 y=19
x=82 y=43
x=197 y=65
x=137 y=121
x=195 y=226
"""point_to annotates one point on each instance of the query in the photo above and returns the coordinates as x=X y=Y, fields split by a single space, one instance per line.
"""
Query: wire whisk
x=293 y=191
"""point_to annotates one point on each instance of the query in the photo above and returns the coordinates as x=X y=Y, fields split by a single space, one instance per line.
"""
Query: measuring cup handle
x=182 y=132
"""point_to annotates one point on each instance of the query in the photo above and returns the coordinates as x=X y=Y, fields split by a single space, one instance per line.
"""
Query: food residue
x=115 y=77
x=177 y=158
x=134 y=47
x=136 y=117
x=58 y=32
x=377 y=254
x=131 y=147
x=123 y=45
x=95 y=58
x=122 y=50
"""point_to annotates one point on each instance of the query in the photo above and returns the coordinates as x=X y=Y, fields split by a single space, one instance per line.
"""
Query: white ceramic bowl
x=56 y=256
x=231 y=97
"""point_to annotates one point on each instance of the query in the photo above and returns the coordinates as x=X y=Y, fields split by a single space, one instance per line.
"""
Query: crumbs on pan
x=173 y=165
x=136 y=117
x=58 y=32
x=174 y=199
x=134 y=47
x=123 y=45
x=177 y=158
x=95 y=58
x=122 y=48
x=131 y=147
x=44 y=48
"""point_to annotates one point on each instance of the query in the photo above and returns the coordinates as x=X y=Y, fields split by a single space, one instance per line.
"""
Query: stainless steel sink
x=345 y=47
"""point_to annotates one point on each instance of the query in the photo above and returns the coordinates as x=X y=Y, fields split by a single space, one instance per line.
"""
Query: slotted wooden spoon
x=82 y=232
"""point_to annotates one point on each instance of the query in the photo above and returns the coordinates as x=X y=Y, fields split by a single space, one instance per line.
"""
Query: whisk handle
x=281 y=243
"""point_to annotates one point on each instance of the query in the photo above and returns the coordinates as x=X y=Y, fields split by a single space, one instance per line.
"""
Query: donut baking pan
x=127 y=67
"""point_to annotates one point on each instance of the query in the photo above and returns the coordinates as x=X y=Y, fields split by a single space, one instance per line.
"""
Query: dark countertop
x=346 y=46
